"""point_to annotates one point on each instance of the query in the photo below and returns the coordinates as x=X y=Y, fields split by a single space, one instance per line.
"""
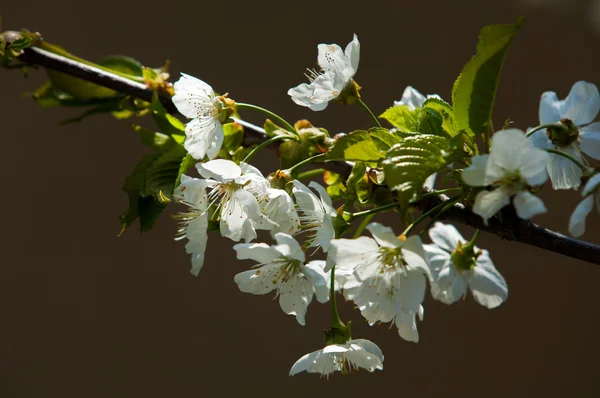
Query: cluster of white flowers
x=385 y=275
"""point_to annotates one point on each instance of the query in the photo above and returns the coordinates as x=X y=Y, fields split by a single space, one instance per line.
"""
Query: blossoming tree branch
x=323 y=242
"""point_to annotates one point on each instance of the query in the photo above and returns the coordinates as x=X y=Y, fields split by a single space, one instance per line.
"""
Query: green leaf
x=410 y=162
x=474 y=91
x=123 y=64
x=154 y=140
x=234 y=136
x=140 y=207
x=356 y=146
x=186 y=163
x=167 y=123
x=445 y=110
x=403 y=118
x=384 y=138
x=358 y=184
x=163 y=173
x=21 y=44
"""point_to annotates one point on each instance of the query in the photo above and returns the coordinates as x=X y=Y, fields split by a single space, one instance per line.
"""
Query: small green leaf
x=358 y=185
x=162 y=174
x=167 y=123
x=402 y=118
x=154 y=140
x=21 y=44
x=356 y=146
x=474 y=91
x=384 y=138
x=445 y=110
x=186 y=163
x=234 y=136
x=410 y=162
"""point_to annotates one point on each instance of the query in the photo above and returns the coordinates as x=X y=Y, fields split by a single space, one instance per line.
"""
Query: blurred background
x=86 y=314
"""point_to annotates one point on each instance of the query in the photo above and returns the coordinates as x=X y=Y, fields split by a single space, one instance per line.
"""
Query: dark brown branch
x=508 y=227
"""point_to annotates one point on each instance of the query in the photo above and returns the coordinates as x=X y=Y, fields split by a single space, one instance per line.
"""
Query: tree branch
x=508 y=226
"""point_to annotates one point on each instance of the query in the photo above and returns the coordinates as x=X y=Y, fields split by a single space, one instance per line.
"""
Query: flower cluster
x=385 y=275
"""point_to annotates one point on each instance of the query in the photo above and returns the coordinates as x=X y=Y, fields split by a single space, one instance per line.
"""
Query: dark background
x=86 y=314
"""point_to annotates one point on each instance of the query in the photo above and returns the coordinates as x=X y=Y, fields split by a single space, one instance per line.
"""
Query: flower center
x=563 y=134
x=512 y=181
x=391 y=259
x=287 y=268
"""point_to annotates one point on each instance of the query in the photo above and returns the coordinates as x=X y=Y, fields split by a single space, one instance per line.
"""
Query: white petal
x=352 y=53
x=259 y=252
x=325 y=198
x=306 y=199
x=350 y=253
x=412 y=98
x=289 y=247
x=369 y=347
x=450 y=287
x=331 y=57
x=384 y=235
x=362 y=359
x=438 y=260
x=540 y=139
x=582 y=104
x=328 y=86
x=550 y=108
x=219 y=169
x=565 y=174
x=411 y=292
x=203 y=136
x=577 y=221
x=192 y=191
x=430 y=181
x=591 y=185
x=476 y=174
x=488 y=203
x=487 y=285
x=407 y=326
x=196 y=233
x=192 y=95
x=325 y=233
x=528 y=205
x=295 y=294
x=305 y=363
x=236 y=216
x=249 y=170
x=589 y=137
x=415 y=256
x=532 y=165
x=258 y=281
x=445 y=236
x=508 y=148
x=318 y=278
x=302 y=95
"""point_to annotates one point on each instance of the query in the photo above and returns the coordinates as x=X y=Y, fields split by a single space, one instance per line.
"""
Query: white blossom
x=451 y=282
x=389 y=278
x=413 y=99
x=282 y=267
x=279 y=215
x=196 y=100
x=317 y=213
x=192 y=192
x=234 y=190
x=580 y=107
x=585 y=207
x=512 y=166
x=352 y=355
x=337 y=70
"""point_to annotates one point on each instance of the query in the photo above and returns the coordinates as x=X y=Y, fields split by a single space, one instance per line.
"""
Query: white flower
x=591 y=194
x=389 y=279
x=354 y=354
x=512 y=166
x=196 y=100
x=317 y=213
x=413 y=99
x=485 y=282
x=337 y=69
x=192 y=192
x=234 y=190
x=277 y=208
x=282 y=267
x=580 y=107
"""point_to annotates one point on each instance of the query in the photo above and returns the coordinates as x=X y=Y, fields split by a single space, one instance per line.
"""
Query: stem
x=264 y=144
x=362 y=226
x=366 y=108
x=278 y=118
x=450 y=202
x=472 y=241
x=541 y=127
x=375 y=210
x=336 y=322
x=435 y=217
x=305 y=161
x=310 y=173
x=571 y=158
